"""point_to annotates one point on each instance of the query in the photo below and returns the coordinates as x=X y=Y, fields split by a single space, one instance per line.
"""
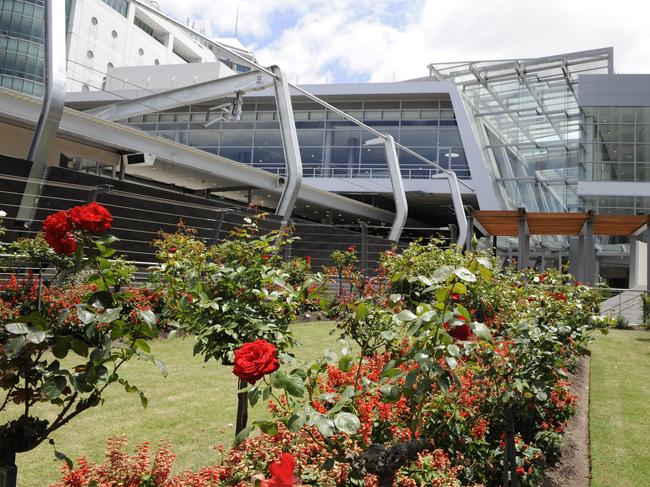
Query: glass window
x=343 y=137
x=642 y=114
x=268 y=138
x=341 y=156
x=239 y=154
x=310 y=137
x=643 y=134
x=446 y=114
x=615 y=133
x=268 y=156
x=203 y=137
x=311 y=156
x=410 y=114
x=373 y=157
x=643 y=153
x=615 y=115
x=151 y=117
x=367 y=135
x=236 y=138
x=449 y=136
x=414 y=138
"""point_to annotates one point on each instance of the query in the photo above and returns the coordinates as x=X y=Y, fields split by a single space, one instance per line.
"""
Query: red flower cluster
x=254 y=360
x=59 y=227
x=308 y=259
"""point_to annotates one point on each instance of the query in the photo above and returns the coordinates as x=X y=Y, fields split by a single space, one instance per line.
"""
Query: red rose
x=308 y=259
x=461 y=332
x=92 y=217
x=281 y=472
x=352 y=248
x=58 y=233
x=266 y=256
x=172 y=250
x=254 y=360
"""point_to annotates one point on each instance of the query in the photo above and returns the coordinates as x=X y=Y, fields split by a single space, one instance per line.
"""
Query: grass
x=619 y=411
x=194 y=407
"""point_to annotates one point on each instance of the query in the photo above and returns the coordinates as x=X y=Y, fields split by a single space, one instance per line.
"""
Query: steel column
x=580 y=267
x=589 y=253
x=51 y=110
x=523 y=256
x=290 y=144
x=459 y=209
x=647 y=258
x=399 y=195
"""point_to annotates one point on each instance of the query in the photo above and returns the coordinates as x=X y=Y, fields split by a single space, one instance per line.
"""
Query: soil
x=574 y=467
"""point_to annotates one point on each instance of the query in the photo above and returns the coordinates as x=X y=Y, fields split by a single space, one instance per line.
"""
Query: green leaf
x=390 y=393
x=17 y=328
x=485 y=262
x=149 y=317
x=452 y=362
x=394 y=298
x=161 y=365
x=453 y=350
x=443 y=273
x=61 y=348
x=35 y=336
x=347 y=423
x=465 y=274
x=53 y=387
x=462 y=310
x=243 y=434
x=361 y=312
x=142 y=345
x=541 y=395
x=481 y=331
x=406 y=315
x=79 y=347
x=268 y=427
x=292 y=384
x=392 y=373
x=85 y=316
x=459 y=288
x=143 y=400
x=345 y=363
x=324 y=424
x=296 y=422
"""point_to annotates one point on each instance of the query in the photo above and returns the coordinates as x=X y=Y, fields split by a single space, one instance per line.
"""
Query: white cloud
x=359 y=38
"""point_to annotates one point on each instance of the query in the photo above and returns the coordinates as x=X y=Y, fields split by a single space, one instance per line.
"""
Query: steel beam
x=589 y=254
x=290 y=144
x=187 y=95
x=51 y=109
x=18 y=108
x=459 y=209
x=399 y=195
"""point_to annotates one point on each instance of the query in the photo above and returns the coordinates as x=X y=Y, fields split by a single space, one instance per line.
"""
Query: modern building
x=101 y=35
x=561 y=133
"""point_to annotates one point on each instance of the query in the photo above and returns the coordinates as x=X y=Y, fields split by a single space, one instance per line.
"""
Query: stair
x=628 y=304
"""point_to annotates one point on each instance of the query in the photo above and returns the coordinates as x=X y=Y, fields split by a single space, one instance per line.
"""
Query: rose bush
x=65 y=341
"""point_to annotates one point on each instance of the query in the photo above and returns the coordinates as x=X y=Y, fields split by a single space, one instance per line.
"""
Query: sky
x=327 y=41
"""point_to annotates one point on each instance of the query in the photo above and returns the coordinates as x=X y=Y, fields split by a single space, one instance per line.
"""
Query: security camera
x=139 y=159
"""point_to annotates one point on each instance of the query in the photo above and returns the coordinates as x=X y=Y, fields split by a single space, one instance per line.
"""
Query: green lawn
x=194 y=407
x=620 y=409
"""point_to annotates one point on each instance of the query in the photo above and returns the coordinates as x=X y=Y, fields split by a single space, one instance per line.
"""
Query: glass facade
x=528 y=115
x=615 y=146
x=21 y=44
x=330 y=146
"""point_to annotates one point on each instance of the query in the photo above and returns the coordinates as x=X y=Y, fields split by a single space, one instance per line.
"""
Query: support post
x=290 y=144
x=51 y=110
x=647 y=261
x=580 y=268
x=216 y=229
x=559 y=260
x=633 y=279
x=8 y=469
x=364 y=248
x=461 y=218
x=453 y=234
x=523 y=257
x=242 y=407
x=469 y=234
x=589 y=264
x=399 y=195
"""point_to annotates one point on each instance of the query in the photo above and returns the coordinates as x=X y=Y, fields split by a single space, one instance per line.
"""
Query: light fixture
x=451 y=154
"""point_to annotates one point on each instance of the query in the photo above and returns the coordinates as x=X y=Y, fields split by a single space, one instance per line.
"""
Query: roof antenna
x=236 y=20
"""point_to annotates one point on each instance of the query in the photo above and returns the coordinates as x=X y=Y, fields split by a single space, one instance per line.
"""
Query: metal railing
x=625 y=304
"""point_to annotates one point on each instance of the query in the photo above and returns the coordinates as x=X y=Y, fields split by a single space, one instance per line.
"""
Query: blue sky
x=381 y=40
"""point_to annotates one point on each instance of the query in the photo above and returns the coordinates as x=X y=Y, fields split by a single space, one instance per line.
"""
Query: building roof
x=506 y=223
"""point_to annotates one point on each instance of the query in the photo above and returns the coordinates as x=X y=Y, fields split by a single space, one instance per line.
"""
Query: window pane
x=235 y=137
